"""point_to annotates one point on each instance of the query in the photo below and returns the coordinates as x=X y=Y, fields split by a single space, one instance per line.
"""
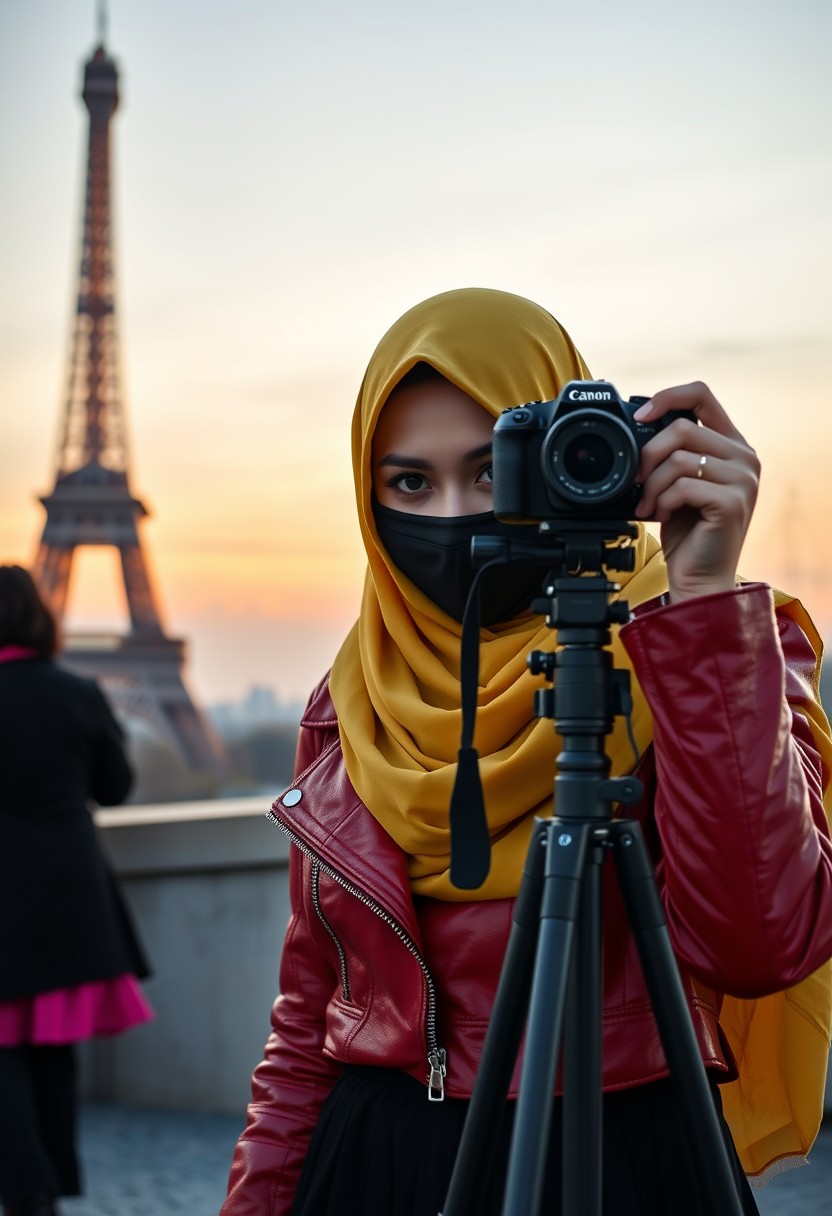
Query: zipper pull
x=438 y=1072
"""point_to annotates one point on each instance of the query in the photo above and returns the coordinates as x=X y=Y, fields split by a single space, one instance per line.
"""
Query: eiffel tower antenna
x=91 y=502
x=101 y=22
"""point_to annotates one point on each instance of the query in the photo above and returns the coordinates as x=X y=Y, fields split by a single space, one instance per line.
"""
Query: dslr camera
x=572 y=458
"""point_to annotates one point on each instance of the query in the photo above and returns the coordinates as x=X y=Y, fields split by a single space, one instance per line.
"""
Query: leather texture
x=733 y=818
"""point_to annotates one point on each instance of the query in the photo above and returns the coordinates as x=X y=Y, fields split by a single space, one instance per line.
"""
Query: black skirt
x=380 y=1148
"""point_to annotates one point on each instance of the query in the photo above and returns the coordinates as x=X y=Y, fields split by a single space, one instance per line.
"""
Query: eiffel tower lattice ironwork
x=91 y=503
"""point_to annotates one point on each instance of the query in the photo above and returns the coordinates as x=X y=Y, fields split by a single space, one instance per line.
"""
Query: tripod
x=551 y=980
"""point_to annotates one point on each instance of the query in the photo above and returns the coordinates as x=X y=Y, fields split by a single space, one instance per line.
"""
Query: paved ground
x=140 y=1162
x=163 y=1163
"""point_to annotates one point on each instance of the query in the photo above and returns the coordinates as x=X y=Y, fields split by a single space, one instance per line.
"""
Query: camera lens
x=589 y=457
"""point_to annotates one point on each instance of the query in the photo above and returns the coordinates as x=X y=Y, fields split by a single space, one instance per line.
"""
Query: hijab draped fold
x=395 y=686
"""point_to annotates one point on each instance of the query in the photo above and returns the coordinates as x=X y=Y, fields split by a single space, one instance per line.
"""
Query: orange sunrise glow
x=276 y=210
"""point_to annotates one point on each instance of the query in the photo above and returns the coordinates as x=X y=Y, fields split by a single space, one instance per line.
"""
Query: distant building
x=259 y=708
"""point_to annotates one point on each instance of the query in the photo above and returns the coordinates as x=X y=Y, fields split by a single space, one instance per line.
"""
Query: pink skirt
x=67 y=1015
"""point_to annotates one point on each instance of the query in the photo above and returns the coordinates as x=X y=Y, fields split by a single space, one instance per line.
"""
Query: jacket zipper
x=437 y=1059
x=342 y=954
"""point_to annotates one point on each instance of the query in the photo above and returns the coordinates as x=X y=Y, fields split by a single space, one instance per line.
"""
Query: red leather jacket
x=734 y=819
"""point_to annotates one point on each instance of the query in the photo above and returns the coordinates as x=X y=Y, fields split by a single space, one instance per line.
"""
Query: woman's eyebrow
x=405 y=462
x=400 y=461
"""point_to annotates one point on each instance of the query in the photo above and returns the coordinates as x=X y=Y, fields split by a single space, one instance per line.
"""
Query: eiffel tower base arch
x=142 y=677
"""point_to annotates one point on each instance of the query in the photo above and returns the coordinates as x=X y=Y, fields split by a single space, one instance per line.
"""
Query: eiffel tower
x=91 y=503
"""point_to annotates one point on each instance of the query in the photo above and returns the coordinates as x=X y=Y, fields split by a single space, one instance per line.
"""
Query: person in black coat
x=70 y=957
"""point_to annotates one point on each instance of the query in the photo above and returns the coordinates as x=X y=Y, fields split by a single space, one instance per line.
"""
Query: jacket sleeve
x=742 y=754
x=292 y=1080
x=294 y=1077
x=111 y=776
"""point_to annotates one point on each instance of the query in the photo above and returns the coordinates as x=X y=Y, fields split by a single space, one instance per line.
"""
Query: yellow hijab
x=395 y=686
x=395 y=682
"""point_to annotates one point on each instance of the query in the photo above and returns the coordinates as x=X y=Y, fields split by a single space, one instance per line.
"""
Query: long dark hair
x=25 y=620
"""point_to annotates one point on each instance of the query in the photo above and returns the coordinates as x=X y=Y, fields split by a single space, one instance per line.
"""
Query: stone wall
x=208 y=887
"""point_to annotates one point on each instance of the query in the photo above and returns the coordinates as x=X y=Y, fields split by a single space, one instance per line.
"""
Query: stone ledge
x=192 y=837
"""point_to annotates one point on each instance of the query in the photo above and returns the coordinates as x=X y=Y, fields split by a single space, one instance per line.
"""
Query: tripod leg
x=566 y=850
x=646 y=916
x=582 y=1067
x=470 y=1180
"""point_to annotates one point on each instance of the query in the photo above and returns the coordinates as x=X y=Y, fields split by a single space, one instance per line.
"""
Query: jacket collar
x=326 y=815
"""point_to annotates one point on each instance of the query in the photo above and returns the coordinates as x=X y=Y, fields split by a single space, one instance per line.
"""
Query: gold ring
x=703 y=460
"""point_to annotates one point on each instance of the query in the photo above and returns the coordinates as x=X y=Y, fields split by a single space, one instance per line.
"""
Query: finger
x=719 y=504
x=686 y=438
x=697 y=398
x=684 y=466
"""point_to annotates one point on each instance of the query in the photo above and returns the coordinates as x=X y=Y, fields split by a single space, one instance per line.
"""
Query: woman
x=388 y=971
x=69 y=956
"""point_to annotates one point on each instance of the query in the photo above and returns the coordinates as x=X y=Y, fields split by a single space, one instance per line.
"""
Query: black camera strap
x=470 y=842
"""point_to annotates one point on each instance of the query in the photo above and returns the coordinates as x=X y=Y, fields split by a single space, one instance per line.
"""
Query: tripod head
x=580 y=547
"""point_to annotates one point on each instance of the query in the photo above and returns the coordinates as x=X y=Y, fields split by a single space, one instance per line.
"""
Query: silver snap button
x=292 y=797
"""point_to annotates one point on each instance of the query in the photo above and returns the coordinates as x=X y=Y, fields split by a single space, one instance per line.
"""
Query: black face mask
x=434 y=552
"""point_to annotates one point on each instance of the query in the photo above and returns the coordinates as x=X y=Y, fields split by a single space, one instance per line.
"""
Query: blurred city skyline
x=288 y=181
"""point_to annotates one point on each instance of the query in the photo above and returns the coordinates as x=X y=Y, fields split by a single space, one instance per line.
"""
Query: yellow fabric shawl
x=395 y=685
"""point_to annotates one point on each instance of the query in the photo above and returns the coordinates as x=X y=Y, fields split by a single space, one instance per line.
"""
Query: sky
x=289 y=179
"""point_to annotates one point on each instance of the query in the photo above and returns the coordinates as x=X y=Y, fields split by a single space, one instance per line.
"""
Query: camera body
x=572 y=458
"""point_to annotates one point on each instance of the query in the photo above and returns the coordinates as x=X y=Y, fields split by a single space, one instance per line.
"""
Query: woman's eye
x=409 y=483
x=486 y=473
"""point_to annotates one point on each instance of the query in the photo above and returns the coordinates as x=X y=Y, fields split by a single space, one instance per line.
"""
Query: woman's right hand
x=700 y=483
